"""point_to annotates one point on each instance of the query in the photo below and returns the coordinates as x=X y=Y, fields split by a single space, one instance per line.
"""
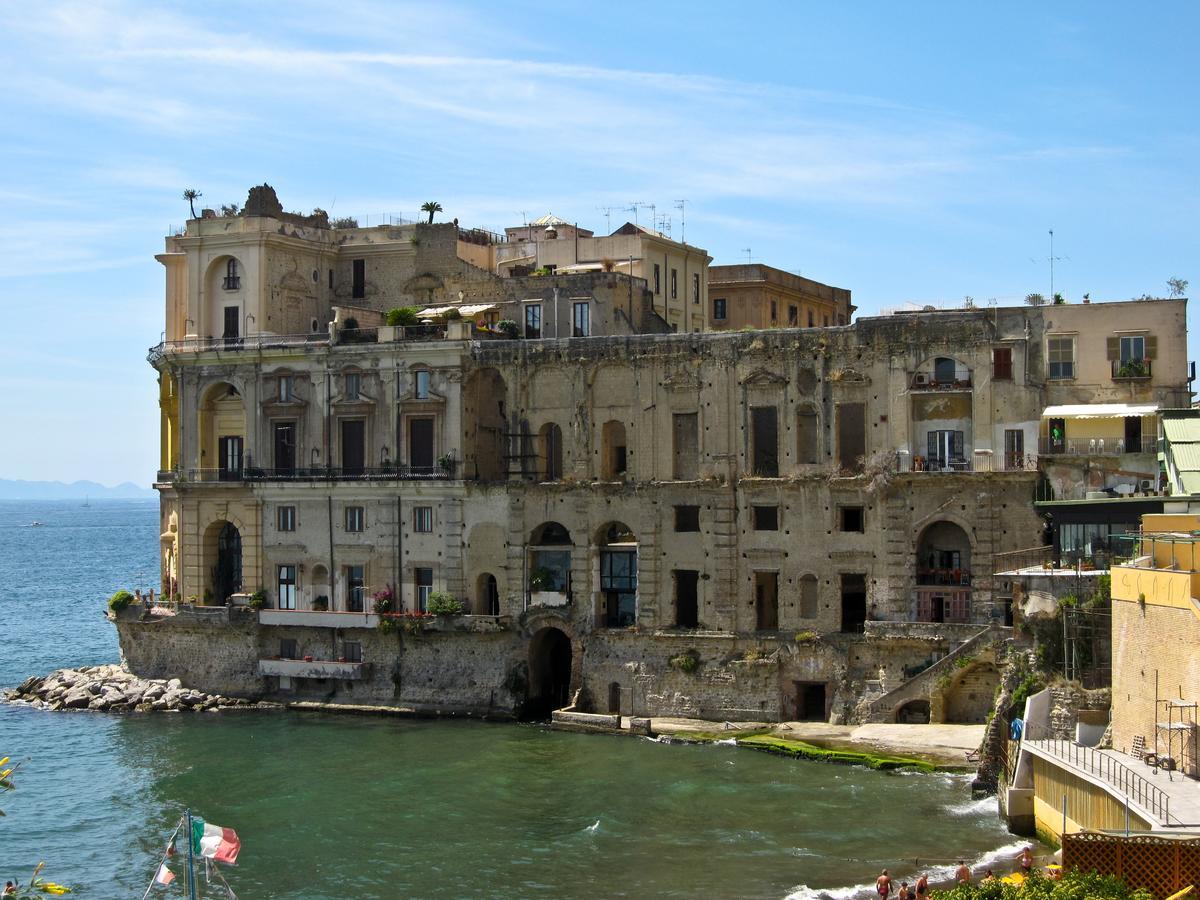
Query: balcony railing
x=950 y=604
x=969 y=462
x=1102 y=765
x=252 y=342
x=1089 y=446
x=366 y=473
x=961 y=577
x=1029 y=558
x=924 y=381
x=1132 y=369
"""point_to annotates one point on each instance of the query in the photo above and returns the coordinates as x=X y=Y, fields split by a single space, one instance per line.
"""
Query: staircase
x=921 y=686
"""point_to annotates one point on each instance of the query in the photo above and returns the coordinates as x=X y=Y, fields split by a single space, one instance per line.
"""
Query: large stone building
x=786 y=523
x=759 y=296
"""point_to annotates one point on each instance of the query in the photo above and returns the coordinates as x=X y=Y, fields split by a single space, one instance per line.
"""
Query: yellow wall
x=1088 y=806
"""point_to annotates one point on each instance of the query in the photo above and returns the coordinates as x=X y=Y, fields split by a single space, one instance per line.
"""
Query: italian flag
x=215 y=842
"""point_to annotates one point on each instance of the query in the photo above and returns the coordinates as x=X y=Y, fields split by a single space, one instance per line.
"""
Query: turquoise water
x=341 y=806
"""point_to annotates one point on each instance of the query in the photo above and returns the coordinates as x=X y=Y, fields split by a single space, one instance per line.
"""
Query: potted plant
x=258 y=600
x=541 y=579
x=443 y=604
x=509 y=329
x=320 y=604
x=446 y=462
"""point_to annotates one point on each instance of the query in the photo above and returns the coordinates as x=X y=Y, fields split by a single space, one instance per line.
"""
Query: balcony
x=958 y=577
x=1090 y=446
x=252 y=342
x=551 y=599
x=365 y=473
x=313 y=668
x=948 y=604
x=922 y=381
x=314 y=618
x=1132 y=370
x=971 y=461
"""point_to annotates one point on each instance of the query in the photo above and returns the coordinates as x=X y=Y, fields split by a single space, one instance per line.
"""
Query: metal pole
x=1126 y=815
x=1064 y=825
x=191 y=875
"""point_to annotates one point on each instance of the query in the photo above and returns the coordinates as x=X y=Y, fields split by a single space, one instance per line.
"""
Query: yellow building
x=758 y=296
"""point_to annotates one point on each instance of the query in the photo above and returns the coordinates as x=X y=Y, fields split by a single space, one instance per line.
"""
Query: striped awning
x=1099 y=410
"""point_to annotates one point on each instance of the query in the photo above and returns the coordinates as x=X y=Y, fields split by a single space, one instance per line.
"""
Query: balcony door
x=945 y=449
x=354 y=446
x=285 y=447
x=229 y=450
x=420 y=444
x=230 y=331
x=1133 y=434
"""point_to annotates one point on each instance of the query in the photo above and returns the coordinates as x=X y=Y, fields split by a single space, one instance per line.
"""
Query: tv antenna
x=633 y=208
x=1052 y=258
x=653 y=213
x=607 y=210
x=524 y=218
x=746 y=250
x=681 y=206
x=664 y=224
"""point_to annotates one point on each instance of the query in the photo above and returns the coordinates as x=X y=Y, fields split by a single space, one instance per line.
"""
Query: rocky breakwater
x=111 y=688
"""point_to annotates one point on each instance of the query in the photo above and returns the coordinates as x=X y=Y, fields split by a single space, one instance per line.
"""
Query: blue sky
x=909 y=152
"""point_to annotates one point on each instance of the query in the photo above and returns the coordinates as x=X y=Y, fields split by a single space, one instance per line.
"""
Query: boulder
x=174 y=685
x=76 y=698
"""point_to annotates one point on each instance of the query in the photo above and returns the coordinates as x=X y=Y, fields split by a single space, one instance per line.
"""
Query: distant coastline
x=17 y=489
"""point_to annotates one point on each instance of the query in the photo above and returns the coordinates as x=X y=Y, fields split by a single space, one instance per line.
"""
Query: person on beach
x=10 y=889
x=989 y=876
x=905 y=893
x=963 y=873
x=922 y=887
x=1025 y=857
x=883 y=884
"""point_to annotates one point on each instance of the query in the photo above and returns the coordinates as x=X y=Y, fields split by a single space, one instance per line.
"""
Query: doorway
x=687 y=612
x=285 y=447
x=229 y=450
x=854 y=603
x=230 y=331
x=1133 y=434
x=420 y=444
x=810 y=701
x=549 y=673
x=766 y=601
x=227 y=575
x=614 y=698
x=354 y=446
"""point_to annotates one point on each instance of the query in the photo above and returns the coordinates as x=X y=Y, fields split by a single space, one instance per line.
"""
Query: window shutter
x=931 y=443
x=1113 y=347
x=956 y=445
x=1151 y=347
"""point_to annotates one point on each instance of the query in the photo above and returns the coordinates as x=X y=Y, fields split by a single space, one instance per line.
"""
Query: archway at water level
x=549 y=673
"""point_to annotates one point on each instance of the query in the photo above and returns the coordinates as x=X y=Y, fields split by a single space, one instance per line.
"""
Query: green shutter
x=1114 y=347
x=1151 y=347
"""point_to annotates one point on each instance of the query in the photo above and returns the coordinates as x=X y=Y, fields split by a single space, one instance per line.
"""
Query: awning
x=1099 y=410
x=436 y=312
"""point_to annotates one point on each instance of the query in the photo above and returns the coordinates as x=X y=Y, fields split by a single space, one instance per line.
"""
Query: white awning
x=436 y=312
x=1099 y=410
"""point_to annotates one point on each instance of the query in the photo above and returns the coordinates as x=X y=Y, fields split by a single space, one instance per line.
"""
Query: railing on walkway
x=253 y=342
x=366 y=473
x=1029 y=558
x=1091 y=446
x=1136 y=787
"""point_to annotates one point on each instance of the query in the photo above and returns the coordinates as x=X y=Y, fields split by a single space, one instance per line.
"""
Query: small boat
x=35 y=524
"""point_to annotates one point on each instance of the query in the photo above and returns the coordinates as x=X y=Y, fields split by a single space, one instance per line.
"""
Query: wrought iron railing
x=253 y=342
x=1090 y=446
x=1029 y=558
x=321 y=473
x=1136 y=787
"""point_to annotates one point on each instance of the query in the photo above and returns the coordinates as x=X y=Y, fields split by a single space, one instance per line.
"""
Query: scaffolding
x=1179 y=732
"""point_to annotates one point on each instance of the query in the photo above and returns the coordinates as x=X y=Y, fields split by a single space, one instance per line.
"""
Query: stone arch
x=221 y=293
x=913 y=712
x=943 y=369
x=485 y=395
x=551 y=671
x=967 y=700
x=614 y=451
x=487 y=595
x=222 y=575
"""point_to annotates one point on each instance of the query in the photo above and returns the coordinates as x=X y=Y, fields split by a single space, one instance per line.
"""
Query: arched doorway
x=227 y=574
x=943 y=564
x=487 y=595
x=914 y=712
x=549 y=673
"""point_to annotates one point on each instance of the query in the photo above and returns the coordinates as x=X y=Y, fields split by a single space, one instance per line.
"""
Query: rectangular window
x=353 y=440
x=850 y=519
x=825 y=321
x=533 y=320
x=766 y=518
x=287 y=387
x=230 y=459
x=359 y=284
x=581 y=319
x=285 y=518
x=774 y=310
x=686 y=446
x=352 y=385
x=1002 y=363
x=807 y=439
x=423 y=519
x=852 y=435
x=331 y=279
x=285 y=590
x=1132 y=347
x=288 y=649
x=793 y=315
x=1060 y=357
x=356 y=589
x=695 y=287
x=657 y=279
x=719 y=309
x=284 y=434
x=423 y=582
x=1014 y=448
x=352 y=651
x=766 y=601
x=810 y=319
x=420 y=444
x=945 y=450
x=674 y=284
x=764 y=428
x=687 y=518
x=421 y=384
x=687 y=612
x=355 y=518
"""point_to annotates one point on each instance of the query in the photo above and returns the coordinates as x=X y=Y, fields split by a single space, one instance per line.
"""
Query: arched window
x=232 y=282
x=487 y=595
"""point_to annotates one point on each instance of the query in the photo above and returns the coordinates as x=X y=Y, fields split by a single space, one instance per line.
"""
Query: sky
x=913 y=153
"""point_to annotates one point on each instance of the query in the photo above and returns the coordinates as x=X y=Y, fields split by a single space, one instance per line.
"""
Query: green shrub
x=807 y=637
x=452 y=315
x=120 y=600
x=687 y=661
x=1073 y=886
x=403 y=316
x=258 y=600
x=509 y=329
x=443 y=604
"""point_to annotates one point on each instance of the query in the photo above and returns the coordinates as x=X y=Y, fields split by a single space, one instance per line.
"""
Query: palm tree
x=431 y=207
x=191 y=195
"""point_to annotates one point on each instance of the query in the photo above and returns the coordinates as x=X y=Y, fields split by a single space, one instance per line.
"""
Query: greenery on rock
x=120 y=600
x=685 y=662
x=443 y=604
x=1073 y=886
x=804 y=750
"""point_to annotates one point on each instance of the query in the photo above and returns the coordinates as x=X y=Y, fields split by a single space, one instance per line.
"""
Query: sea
x=331 y=806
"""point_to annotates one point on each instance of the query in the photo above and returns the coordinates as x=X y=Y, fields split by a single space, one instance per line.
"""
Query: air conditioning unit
x=921 y=379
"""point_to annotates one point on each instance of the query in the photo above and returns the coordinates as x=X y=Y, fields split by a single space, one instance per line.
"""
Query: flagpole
x=191 y=879
x=162 y=859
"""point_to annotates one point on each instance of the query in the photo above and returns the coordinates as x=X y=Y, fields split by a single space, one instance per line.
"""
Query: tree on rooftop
x=431 y=207
x=1177 y=287
x=191 y=195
